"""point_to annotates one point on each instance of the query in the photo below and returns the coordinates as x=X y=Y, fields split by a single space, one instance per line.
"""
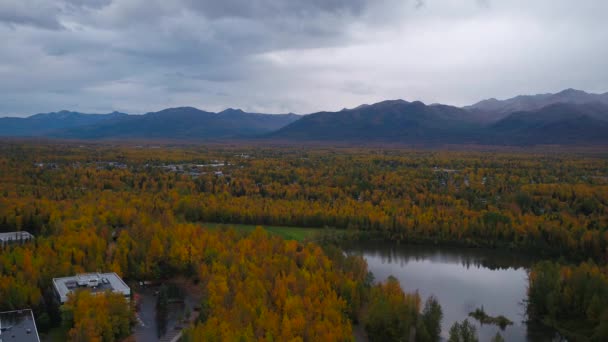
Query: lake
x=462 y=279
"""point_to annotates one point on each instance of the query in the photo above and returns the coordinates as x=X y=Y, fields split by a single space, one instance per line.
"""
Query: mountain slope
x=256 y=123
x=493 y=110
x=559 y=123
x=388 y=121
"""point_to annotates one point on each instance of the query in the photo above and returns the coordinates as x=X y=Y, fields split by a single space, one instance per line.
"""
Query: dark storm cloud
x=43 y=14
x=35 y=13
x=87 y=3
x=288 y=55
x=275 y=8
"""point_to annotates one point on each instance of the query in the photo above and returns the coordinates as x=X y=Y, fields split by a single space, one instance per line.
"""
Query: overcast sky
x=292 y=56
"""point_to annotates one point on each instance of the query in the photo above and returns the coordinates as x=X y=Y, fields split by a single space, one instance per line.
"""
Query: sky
x=279 y=56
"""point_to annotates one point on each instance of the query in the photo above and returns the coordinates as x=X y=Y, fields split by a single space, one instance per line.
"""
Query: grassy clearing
x=288 y=233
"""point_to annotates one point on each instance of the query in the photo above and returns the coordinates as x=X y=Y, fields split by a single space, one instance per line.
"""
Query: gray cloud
x=289 y=55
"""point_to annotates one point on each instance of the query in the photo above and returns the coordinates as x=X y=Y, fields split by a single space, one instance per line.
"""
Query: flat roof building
x=94 y=282
x=14 y=237
x=19 y=326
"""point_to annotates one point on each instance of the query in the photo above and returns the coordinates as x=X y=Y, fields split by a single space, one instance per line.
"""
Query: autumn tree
x=392 y=315
x=97 y=317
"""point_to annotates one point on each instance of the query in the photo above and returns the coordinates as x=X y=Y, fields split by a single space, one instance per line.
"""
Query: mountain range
x=570 y=117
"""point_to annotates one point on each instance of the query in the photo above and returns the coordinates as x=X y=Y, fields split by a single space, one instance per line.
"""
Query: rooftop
x=19 y=326
x=94 y=282
x=15 y=237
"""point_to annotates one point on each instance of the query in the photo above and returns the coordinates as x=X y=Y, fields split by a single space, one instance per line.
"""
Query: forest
x=145 y=211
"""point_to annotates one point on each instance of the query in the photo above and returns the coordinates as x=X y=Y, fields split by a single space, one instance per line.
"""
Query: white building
x=15 y=238
x=94 y=282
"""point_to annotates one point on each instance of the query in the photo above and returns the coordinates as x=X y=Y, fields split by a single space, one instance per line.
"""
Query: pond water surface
x=462 y=280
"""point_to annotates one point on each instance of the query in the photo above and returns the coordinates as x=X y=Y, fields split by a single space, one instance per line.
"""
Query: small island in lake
x=483 y=318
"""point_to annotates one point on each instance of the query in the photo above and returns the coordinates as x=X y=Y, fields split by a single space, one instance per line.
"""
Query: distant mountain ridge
x=493 y=109
x=45 y=124
x=570 y=117
x=387 y=121
x=171 y=123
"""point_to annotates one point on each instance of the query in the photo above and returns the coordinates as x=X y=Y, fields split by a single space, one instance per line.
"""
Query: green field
x=288 y=233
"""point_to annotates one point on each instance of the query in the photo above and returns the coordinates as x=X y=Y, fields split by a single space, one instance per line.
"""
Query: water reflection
x=467 y=257
x=463 y=279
